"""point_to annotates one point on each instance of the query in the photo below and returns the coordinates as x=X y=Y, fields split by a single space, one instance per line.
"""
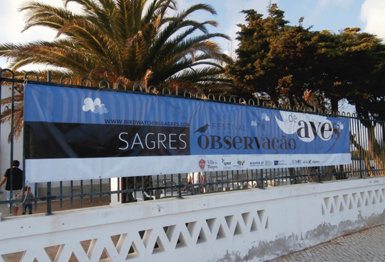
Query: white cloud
x=12 y=24
x=373 y=14
x=234 y=17
x=95 y=106
x=13 y=21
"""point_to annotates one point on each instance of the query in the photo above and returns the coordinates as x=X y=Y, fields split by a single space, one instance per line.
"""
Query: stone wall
x=246 y=225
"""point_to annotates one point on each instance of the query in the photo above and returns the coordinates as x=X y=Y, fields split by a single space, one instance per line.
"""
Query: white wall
x=5 y=146
x=249 y=225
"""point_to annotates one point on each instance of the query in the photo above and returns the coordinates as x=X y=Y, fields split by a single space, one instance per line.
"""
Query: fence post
x=180 y=185
x=262 y=182
x=12 y=140
x=319 y=175
x=49 y=207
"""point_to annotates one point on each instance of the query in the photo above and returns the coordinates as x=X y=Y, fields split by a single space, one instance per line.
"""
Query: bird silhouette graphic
x=202 y=129
x=337 y=132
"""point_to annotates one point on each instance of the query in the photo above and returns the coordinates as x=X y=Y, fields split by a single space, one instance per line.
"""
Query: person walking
x=28 y=198
x=13 y=178
x=195 y=181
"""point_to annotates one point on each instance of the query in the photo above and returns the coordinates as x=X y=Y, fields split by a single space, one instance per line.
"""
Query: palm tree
x=124 y=41
x=133 y=42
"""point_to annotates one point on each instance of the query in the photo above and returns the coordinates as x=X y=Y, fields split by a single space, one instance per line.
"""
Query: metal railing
x=367 y=150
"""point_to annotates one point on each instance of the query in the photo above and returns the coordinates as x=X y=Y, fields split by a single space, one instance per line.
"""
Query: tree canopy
x=293 y=63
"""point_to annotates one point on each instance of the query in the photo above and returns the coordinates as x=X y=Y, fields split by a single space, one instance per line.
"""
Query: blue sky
x=333 y=15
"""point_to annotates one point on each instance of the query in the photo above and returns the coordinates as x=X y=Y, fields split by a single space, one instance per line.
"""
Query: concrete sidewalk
x=364 y=246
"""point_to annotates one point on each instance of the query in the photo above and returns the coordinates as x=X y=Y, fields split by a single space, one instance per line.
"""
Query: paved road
x=364 y=246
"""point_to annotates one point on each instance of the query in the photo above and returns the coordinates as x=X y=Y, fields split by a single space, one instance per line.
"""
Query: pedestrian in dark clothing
x=13 y=178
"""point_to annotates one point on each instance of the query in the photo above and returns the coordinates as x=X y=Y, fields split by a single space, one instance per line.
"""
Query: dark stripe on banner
x=66 y=140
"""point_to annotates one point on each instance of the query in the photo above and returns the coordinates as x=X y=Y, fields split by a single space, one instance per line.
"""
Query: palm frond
x=128 y=41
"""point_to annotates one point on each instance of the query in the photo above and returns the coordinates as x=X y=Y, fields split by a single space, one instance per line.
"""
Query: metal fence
x=367 y=151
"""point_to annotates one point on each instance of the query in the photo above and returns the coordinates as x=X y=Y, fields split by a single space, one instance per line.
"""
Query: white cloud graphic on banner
x=95 y=106
x=265 y=117
x=261 y=119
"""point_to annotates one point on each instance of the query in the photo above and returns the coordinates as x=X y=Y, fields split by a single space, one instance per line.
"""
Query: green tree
x=273 y=58
x=297 y=66
x=292 y=64
x=129 y=41
x=352 y=66
x=347 y=65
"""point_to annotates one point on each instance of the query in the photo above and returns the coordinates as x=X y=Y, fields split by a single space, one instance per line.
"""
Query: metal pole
x=12 y=139
x=180 y=186
x=262 y=181
x=49 y=207
x=1 y=85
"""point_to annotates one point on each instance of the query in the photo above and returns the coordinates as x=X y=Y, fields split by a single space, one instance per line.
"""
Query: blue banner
x=159 y=135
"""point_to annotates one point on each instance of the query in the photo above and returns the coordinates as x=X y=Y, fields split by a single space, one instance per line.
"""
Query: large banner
x=73 y=134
